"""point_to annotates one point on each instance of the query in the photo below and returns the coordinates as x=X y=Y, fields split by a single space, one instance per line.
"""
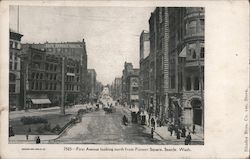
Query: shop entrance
x=197 y=111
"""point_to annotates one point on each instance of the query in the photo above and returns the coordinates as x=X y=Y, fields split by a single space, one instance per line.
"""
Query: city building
x=130 y=85
x=117 y=88
x=144 y=92
x=72 y=50
x=46 y=76
x=14 y=70
x=176 y=65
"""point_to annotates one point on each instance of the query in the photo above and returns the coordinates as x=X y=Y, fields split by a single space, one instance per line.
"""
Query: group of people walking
x=180 y=132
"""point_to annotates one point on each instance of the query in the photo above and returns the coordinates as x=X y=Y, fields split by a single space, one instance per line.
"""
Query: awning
x=134 y=97
x=183 y=52
x=40 y=101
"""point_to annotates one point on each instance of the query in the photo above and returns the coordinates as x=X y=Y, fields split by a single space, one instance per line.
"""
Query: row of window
x=72 y=70
x=60 y=50
x=195 y=83
x=51 y=67
x=48 y=76
x=13 y=67
x=15 y=45
x=39 y=86
x=70 y=87
x=13 y=55
x=72 y=79
x=195 y=26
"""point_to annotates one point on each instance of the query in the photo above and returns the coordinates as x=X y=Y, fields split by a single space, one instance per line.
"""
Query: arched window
x=193 y=54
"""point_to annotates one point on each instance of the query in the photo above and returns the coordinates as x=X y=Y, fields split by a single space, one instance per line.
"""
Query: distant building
x=130 y=85
x=92 y=84
x=14 y=70
x=117 y=88
x=144 y=89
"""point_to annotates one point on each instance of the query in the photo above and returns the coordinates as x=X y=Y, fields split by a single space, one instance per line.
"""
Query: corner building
x=176 y=64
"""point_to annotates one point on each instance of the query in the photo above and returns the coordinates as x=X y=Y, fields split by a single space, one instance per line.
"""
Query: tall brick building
x=14 y=70
x=43 y=68
x=176 y=65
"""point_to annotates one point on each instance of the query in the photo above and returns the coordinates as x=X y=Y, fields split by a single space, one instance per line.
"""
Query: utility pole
x=62 y=89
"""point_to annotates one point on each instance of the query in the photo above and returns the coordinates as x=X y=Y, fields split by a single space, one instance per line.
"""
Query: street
x=102 y=128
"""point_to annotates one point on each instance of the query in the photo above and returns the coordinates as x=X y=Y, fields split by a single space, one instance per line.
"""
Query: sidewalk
x=165 y=134
x=32 y=138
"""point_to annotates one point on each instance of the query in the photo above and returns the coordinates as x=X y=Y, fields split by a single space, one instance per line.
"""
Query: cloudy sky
x=111 y=33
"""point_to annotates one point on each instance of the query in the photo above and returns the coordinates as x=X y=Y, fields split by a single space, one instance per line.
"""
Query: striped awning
x=40 y=101
x=183 y=52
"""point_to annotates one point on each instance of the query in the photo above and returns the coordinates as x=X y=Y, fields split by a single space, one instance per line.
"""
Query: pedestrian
x=38 y=140
x=183 y=132
x=178 y=134
x=152 y=132
x=193 y=128
x=171 y=129
x=27 y=136
x=188 y=139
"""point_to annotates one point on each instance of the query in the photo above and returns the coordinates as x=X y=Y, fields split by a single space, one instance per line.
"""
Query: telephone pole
x=62 y=89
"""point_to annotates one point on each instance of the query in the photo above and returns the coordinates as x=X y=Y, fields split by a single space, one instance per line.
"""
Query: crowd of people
x=181 y=132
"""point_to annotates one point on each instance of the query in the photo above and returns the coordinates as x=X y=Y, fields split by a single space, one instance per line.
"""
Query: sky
x=111 y=33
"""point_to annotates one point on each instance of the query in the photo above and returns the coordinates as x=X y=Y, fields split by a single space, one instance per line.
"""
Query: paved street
x=102 y=128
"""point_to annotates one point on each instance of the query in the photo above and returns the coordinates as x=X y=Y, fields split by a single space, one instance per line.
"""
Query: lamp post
x=62 y=89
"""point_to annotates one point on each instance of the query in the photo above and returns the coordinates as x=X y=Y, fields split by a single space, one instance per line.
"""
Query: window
x=32 y=85
x=11 y=55
x=41 y=76
x=55 y=77
x=188 y=83
x=11 y=44
x=40 y=85
x=10 y=66
x=15 y=57
x=15 y=66
x=202 y=24
x=172 y=82
x=135 y=89
x=16 y=45
x=46 y=66
x=37 y=76
x=36 y=86
x=12 y=77
x=12 y=88
x=196 y=83
x=202 y=52
x=55 y=67
x=193 y=54
x=54 y=86
x=191 y=29
x=51 y=67
x=33 y=75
